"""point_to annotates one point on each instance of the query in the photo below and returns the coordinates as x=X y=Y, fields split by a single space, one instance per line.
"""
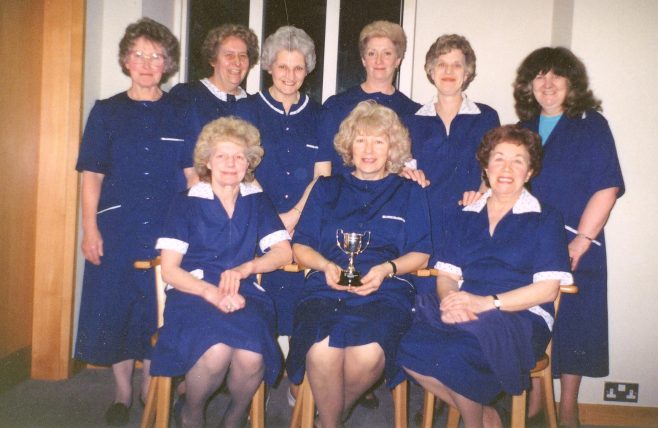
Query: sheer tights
x=339 y=376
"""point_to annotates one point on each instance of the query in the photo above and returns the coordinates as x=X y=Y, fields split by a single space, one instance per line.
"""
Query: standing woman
x=135 y=149
x=382 y=45
x=447 y=131
x=287 y=121
x=231 y=50
x=553 y=98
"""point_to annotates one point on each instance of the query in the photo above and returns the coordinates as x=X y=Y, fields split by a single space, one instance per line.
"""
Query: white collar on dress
x=467 y=107
x=204 y=190
x=525 y=204
x=298 y=108
x=219 y=93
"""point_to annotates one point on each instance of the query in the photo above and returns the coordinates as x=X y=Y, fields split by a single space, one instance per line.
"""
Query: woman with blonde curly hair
x=345 y=337
x=218 y=323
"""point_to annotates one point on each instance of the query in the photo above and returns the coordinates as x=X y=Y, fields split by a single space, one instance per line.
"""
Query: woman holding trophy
x=348 y=323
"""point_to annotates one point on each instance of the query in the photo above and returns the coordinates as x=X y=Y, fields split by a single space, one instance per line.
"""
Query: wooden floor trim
x=617 y=415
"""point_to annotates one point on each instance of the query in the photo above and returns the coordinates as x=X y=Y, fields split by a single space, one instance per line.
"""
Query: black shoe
x=369 y=401
x=117 y=415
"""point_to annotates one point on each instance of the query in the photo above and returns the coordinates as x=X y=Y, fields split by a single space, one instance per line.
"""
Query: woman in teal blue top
x=581 y=177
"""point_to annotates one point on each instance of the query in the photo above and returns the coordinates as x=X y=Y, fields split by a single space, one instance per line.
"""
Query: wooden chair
x=158 y=400
x=303 y=413
x=542 y=371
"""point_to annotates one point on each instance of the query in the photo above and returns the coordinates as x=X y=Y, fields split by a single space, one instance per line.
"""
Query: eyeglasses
x=139 y=57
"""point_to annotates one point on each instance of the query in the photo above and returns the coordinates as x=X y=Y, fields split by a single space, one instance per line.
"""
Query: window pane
x=204 y=16
x=354 y=15
x=310 y=16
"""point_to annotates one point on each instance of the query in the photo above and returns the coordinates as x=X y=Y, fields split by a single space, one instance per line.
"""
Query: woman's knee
x=247 y=361
x=369 y=356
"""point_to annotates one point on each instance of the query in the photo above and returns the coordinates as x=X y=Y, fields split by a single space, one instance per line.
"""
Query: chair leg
x=163 y=403
x=296 y=419
x=400 y=394
x=518 y=410
x=549 y=397
x=257 y=412
x=428 y=410
x=453 y=417
x=308 y=404
x=148 y=417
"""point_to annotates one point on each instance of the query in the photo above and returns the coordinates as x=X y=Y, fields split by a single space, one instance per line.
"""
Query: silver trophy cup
x=352 y=244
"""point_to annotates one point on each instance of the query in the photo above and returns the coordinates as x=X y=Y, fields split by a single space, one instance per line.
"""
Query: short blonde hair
x=390 y=30
x=228 y=128
x=371 y=118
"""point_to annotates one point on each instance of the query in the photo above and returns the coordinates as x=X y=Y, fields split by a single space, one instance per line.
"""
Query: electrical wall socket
x=621 y=391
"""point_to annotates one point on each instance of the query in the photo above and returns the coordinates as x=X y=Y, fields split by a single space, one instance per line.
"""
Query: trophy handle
x=367 y=232
x=339 y=232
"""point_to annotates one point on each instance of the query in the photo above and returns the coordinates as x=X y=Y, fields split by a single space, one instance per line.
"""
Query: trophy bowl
x=352 y=244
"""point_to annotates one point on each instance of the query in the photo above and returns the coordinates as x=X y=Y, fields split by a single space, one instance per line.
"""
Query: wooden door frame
x=57 y=187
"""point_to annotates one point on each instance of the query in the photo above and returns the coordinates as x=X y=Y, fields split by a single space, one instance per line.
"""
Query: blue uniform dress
x=211 y=242
x=141 y=147
x=291 y=147
x=482 y=358
x=337 y=107
x=580 y=159
x=447 y=157
x=394 y=210
x=207 y=102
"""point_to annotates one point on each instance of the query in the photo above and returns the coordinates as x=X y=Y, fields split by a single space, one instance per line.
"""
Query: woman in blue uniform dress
x=230 y=50
x=446 y=132
x=500 y=261
x=218 y=321
x=346 y=337
x=552 y=97
x=134 y=150
x=287 y=121
x=382 y=45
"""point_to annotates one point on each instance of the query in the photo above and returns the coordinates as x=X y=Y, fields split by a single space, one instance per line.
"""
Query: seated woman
x=346 y=337
x=218 y=322
x=501 y=260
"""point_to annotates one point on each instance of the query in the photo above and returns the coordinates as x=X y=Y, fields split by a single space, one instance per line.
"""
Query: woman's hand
x=469 y=197
x=332 y=276
x=372 y=280
x=232 y=303
x=416 y=175
x=229 y=281
x=577 y=248
x=92 y=246
x=459 y=306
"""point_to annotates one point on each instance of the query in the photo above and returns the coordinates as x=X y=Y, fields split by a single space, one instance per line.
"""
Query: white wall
x=618 y=42
x=501 y=33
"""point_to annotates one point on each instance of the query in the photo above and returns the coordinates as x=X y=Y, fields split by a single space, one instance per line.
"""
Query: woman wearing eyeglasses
x=136 y=153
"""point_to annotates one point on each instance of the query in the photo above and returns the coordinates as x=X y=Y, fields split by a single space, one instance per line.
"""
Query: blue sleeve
x=95 y=150
x=551 y=254
x=309 y=226
x=185 y=110
x=176 y=229
x=445 y=244
x=606 y=171
x=327 y=129
x=270 y=227
x=418 y=222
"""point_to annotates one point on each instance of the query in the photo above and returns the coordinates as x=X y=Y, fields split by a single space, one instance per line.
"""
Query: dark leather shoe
x=369 y=401
x=117 y=415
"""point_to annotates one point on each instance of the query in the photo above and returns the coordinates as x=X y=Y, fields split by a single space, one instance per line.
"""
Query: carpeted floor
x=82 y=400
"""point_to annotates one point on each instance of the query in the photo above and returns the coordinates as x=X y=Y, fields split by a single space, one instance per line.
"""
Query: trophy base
x=350 y=279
